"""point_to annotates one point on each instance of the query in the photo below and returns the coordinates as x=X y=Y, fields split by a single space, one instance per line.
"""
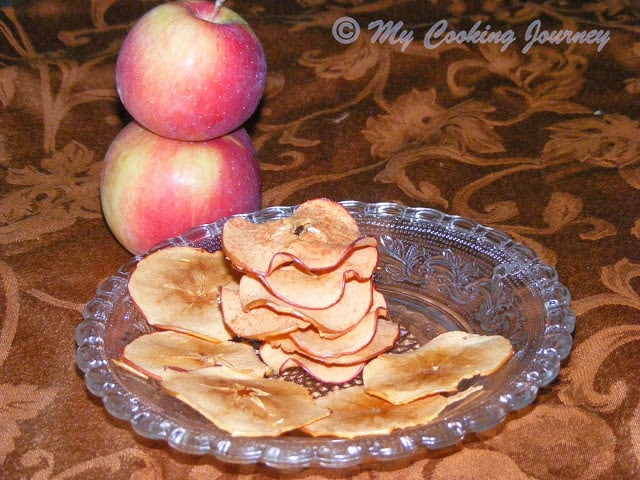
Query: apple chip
x=436 y=367
x=385 y=336
x=341 y=315
x=318 y=236
x=258 y=323
x=152 y=353
x=244 y=404
x=129 y=369
x=292 y=284
x=177 y=289
x=280 y=360
x=312 y=342
x=354 y=413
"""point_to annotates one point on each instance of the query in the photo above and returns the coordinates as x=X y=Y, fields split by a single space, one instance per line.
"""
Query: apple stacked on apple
x=190 y=73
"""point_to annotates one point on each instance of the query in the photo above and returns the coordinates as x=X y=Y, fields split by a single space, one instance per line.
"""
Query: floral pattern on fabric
x=543 y=145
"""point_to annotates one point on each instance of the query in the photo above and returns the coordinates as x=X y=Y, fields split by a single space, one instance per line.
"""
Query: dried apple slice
x=387 y=332
x=436 y=367
x=339 y=316
x=279 y=361
x=177 y=289
x=152 y=353
x=258 y=323
x=292 y=284
x=129 y=369
x=318 y=236
x=354 y=413
x=313 y=343
x=244 y=404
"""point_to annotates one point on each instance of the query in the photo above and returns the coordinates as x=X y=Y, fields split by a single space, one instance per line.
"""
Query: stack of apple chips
x=300 y=287
x=306 y=293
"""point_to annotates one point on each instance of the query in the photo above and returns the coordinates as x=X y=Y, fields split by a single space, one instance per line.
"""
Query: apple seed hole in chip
x=244 y=404
x=176 y=288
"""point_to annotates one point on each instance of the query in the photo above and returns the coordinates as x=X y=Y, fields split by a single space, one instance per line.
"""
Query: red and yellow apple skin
x=153 y=188
x=187 y=75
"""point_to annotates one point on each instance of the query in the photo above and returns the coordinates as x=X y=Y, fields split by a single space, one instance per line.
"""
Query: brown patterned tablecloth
x=537 y=138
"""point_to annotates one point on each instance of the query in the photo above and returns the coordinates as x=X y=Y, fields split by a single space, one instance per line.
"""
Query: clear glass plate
x=438 y=272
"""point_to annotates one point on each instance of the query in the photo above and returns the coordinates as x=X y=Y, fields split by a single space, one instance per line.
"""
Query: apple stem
x=217 y=7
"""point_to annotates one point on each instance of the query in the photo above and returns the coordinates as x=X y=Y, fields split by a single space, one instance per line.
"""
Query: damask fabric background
x=543 y=144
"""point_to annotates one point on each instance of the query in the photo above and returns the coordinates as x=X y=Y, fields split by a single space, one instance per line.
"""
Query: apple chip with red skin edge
x=244 y=404
x=338 y=317
x=259 y=323
x=436 y=367
x=354 y=413
x=152 y=353
x=387 y=332
x=280 y=361
x=176 y=288
x=317 y=236
x=312 y=342
x=292 y=285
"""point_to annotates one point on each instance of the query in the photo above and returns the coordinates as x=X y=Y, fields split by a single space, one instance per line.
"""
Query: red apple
x=191 y=71
x=153 y=187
